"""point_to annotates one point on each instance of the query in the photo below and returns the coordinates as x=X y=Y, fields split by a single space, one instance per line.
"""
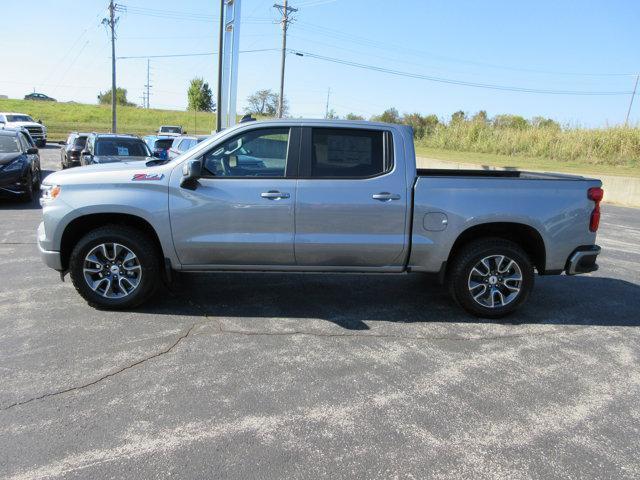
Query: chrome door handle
x=385 y=196
x=274 y=195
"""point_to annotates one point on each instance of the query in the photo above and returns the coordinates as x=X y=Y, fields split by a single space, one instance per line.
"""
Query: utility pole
x=326 y=109
x=111 y=23
x=220 y=51
x=284 y=11
x=635 y=87
x=148 y=85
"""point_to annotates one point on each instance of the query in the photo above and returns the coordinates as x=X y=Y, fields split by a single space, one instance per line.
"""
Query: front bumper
x=51 y=259
x=583 y=260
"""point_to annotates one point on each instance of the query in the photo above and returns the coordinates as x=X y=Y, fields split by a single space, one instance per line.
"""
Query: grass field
x=62 y=118
x=527 y=163
x=614 y=150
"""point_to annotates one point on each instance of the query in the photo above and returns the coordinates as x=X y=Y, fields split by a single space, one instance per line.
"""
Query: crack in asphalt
x=104 y=377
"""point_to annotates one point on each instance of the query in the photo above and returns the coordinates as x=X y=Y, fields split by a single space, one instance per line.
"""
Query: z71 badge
x=140 y=177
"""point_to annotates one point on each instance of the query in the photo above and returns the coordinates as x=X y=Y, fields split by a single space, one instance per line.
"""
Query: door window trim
x=291 y=161
x=306 y=153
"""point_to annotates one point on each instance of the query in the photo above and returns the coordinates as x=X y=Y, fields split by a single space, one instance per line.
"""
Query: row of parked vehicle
x=20 y=172
x=94 y=148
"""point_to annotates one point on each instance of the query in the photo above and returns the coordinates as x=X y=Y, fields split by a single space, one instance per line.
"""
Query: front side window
x=80 y=142
x=348 y=153
x=9 y=144
x=258 y=153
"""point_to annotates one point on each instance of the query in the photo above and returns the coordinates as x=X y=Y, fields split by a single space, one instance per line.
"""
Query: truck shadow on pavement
x=350 y=301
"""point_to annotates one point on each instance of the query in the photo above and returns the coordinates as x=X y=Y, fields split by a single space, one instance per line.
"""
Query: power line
x=172 y=55
x=341 y=35
x=452 y=81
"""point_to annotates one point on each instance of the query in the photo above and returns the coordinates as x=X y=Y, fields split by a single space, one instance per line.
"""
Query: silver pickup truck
x=325 y=196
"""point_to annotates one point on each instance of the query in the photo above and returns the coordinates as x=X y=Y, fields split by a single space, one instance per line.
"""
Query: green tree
x=265 y=103
x=459 y=116
x=332 y=115
x=510 y=121
x=353 y=116
x=480 y=117
x=390 y=115
x=199 y=96
x=104 y=98
x=542 y=122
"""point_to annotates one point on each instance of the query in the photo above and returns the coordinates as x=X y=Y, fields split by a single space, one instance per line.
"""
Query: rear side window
x=348 y=153
x=80 y=142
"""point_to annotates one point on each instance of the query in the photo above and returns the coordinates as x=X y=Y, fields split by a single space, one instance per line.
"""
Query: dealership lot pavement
x=298 y=376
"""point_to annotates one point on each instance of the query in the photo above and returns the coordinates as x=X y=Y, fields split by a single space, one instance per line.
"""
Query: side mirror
x=86 y=154
x=191 y=172
x=32 y=151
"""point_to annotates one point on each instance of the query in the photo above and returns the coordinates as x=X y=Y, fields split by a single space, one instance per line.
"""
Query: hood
x=118 y=159
x=25 y=124
x=6 y=158
x=114 y=172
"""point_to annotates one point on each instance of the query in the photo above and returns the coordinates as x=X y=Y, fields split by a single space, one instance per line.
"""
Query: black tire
x=37 y=180
x=27 y=196
x=460 y=279
x=137 y=242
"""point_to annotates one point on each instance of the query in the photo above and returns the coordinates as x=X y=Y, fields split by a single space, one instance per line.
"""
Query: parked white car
x=21 y=120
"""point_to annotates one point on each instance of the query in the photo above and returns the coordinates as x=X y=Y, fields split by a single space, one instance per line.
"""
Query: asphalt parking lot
x=305 y=376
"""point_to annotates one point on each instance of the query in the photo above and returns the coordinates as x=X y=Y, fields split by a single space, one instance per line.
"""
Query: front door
x=242 y=211
x=352 y=200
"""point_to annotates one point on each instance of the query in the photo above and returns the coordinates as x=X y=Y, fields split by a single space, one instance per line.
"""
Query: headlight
x=14 y=166
x=49 y=192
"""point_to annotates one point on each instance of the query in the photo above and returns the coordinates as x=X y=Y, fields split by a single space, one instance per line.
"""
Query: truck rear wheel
x=115 y=267
x=491 y=277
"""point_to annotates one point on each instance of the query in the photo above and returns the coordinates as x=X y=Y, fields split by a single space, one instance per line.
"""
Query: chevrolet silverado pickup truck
x=328 y=196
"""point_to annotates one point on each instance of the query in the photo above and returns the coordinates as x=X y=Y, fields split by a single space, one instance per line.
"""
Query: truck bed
x=489 y=173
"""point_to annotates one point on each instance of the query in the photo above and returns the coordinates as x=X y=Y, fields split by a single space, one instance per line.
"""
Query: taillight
x=595 y=194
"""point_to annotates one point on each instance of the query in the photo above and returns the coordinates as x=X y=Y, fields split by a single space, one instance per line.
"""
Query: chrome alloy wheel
x=495 y=281
x=112 y=270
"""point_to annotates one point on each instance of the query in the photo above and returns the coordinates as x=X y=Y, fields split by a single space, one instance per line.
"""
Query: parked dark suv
x=19 y=164
x=70 y=151
x=114 y=147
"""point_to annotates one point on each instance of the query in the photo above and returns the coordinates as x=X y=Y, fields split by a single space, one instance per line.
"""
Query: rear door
x=239 y=214
x=352 y=201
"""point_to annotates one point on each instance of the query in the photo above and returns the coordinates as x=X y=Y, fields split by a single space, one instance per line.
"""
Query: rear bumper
x=583 y=260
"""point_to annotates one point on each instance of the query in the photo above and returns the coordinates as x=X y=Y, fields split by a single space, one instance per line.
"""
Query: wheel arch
x=526 y=236
x=80 y=226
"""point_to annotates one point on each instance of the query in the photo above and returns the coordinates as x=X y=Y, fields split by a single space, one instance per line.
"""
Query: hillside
x=62 y=118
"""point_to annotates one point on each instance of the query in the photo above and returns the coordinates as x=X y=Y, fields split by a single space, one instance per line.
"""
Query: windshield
x=122 y=147
x=19 y=118
x=9 y=144
x=164 y=144
x=171 y=129
x=80 y=142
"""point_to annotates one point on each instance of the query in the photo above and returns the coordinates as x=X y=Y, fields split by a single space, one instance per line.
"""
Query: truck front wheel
x=115 y=267
x=491 y=277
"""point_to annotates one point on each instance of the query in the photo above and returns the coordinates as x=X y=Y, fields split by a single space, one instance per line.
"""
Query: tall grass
x=616 y=146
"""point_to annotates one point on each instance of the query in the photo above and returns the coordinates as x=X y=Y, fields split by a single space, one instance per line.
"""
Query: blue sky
x=62 y=50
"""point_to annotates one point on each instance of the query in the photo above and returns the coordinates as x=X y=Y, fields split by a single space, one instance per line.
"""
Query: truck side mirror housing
x=191 y=172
